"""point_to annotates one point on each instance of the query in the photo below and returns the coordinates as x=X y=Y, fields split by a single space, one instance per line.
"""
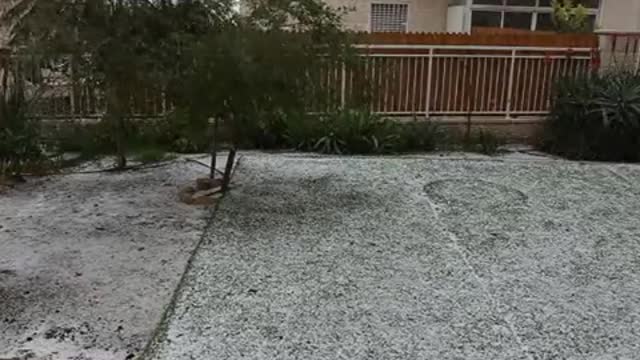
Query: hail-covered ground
x=88 y=262
x=413 y=258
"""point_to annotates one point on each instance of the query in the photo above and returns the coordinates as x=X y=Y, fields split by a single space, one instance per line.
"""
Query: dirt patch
x=89 y=261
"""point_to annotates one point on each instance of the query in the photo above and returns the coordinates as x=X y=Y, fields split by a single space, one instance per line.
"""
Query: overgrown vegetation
x=19 y=142
x=230 y=80
x=121 y=47
x=341 y=132
x=596 y=117
x=484 y=142
x=210 y=62
x=20 y=145
x=360 y=132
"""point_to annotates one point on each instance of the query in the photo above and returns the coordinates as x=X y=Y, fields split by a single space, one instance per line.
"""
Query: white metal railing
x=620 y=50
x=426 y=80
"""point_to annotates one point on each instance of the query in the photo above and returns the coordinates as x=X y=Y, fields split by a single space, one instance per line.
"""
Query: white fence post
x=510 y=88
x=429 y=78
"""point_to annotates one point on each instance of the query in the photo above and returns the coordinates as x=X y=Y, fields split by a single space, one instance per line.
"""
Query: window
x=521 y=2
x=486 y=19
x=389 y=17
x=545 y=22
x=488 y=2
x=522 y=14
x=589 y=4
x=517 y=20
x=591 y=22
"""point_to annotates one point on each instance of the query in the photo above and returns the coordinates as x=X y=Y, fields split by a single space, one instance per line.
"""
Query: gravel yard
x=311 y=257
x=415 y=258
x=88 y=262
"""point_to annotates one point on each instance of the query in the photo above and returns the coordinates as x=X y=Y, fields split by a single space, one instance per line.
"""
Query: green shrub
x=268 y=132
x=343 y=132
x=302 y=131
x=151 y=155
x=596 y=118
x=90 y=140
x=175 y=133
x=19 y=150
x=484 y=142
x=19 y=136
x=421 y=136
x=178 y=132
x=360 y=132
x=339 y=132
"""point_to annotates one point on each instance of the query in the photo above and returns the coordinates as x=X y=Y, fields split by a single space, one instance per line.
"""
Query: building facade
x=464 y=15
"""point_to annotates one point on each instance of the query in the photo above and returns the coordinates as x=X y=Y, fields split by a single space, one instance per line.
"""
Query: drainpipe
x=601 y=13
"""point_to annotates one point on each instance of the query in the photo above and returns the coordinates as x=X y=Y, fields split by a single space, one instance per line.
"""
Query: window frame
x=533 y=10
x=406 y=4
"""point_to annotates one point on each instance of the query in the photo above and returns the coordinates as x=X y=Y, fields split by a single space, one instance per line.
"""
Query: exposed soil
x=88 y=262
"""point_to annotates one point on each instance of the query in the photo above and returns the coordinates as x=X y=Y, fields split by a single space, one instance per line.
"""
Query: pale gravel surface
x=88 y=262
x=415 y=258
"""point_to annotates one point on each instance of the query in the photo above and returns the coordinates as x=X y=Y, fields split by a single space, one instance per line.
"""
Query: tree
x=263 y=65
x=569 y=17
x=19 y=136
x=241 y=69
x=119 y=46
x=11 y=14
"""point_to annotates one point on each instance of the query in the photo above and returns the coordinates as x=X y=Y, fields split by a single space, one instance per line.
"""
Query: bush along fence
x=420 y=75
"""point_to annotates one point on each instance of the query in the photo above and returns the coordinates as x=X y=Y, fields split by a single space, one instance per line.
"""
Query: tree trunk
x=75 y=88
x=116 y=118
x=4 y=86
x=214 y=149
x=468 y=104
x=228 y=169
x=120 y=146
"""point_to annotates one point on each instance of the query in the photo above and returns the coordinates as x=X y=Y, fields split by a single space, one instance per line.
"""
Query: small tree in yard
x=119 y=46
x=19 y=145
x=242 y=70
x=263 y=65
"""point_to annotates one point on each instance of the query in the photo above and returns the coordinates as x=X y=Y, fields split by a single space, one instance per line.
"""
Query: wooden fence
x=483 y=73
x=484 y=37
x=455 y=79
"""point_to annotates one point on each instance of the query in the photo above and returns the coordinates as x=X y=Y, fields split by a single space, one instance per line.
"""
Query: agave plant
x=330 y=144
x=361 y=132
x=618 y=100
x=596 y=117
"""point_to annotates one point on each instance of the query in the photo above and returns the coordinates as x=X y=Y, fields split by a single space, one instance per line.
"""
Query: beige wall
x=620 y=15
x=424 y=15
x=431 y=15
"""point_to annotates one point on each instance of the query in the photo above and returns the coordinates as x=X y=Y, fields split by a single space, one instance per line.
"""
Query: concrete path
x=415 y=258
